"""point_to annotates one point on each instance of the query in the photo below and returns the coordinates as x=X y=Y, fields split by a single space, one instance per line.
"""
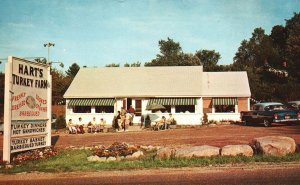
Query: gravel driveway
x=220 y=135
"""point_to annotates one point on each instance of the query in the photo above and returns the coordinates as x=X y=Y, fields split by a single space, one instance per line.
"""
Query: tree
x=73 y=70
x=279 y=37
x=112 y=65
x=272 y=61
x=169 y=48
x=244 y=55
x=259 y=57
x=171 y=55
x=209 y=59
x=293 y=46
x=60 y=83
x=188 y=59
x=41 y=60
x=135 y=64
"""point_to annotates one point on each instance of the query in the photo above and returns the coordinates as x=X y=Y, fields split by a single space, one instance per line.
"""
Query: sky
x=100 y=32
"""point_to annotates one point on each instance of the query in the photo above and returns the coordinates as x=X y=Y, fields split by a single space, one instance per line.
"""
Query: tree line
x=272 y=61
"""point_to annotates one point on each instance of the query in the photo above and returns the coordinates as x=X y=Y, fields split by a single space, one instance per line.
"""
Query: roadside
x=275 y=171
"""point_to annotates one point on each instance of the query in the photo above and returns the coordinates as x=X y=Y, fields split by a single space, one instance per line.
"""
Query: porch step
x=136 y=124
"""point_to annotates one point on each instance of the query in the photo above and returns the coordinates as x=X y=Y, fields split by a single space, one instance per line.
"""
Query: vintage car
x=268 y=113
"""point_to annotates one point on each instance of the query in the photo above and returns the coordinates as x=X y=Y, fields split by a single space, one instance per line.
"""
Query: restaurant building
x=185 y=91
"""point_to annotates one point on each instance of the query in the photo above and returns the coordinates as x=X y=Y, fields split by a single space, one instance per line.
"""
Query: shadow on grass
x=54 y=140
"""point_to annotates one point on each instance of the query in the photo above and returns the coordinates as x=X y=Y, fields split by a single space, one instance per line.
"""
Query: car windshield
x=293 y=105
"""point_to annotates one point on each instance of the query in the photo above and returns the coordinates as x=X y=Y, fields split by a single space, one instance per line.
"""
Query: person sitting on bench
x=102 y=125
x=79 y=126
x=71 y=127
x=161 y=124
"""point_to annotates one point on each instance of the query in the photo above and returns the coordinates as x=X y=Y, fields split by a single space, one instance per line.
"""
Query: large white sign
x=30 y=83
x=27 y=106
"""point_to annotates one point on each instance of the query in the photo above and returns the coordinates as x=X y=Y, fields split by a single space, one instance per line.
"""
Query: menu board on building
x=27 y=123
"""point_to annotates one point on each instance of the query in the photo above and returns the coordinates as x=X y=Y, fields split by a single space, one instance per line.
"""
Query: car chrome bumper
x=285 y=120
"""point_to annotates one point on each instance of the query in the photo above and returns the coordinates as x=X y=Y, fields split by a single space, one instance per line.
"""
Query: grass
x=76 y=160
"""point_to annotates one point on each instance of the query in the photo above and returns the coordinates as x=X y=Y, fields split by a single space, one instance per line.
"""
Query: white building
x=186 y=91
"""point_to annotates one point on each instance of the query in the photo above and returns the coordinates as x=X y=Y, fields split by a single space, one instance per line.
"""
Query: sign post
x=27 y=106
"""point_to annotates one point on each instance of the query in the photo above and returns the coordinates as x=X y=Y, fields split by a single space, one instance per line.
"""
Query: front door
x=138 y=107
x=129 y=102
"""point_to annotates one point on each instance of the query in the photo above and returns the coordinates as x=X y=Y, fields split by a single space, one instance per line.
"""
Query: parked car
x=268 y=113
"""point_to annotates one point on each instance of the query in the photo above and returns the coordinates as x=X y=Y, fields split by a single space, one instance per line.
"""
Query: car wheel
x=245 y=123
x=267 y=123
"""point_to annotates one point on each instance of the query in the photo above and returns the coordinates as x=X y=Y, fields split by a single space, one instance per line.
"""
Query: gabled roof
x=107 y=82
x=225 y=84
x=176 y=81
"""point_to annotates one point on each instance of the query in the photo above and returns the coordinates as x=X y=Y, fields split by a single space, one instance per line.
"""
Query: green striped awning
x=173 y=101
x=92 y=102
x=224 y=101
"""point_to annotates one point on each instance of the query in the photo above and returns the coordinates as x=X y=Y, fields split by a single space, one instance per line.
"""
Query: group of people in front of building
x=163 y=123
x=80 y=128
x=121 y=122
x=124 y=119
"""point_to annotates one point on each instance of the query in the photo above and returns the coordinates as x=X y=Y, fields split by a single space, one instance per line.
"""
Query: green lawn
x=76 y=160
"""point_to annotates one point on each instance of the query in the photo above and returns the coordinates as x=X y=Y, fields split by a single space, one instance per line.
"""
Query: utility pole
x=49 y=44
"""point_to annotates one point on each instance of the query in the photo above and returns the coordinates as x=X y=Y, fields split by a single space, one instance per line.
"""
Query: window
x=224 y=104
x=185 y=109
x=82 y=109
x=224 y=108
x=104 y=109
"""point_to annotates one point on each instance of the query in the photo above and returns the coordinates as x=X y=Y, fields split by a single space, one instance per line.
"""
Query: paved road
x=248 y=175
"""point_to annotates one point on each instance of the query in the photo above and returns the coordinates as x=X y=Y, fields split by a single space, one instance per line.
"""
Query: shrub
x=205 y=119
x=60 y=123
x=174 y=122
x=212 y=122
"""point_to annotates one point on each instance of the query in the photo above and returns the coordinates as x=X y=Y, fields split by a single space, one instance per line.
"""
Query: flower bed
x=116 y=149
x=32 y=155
